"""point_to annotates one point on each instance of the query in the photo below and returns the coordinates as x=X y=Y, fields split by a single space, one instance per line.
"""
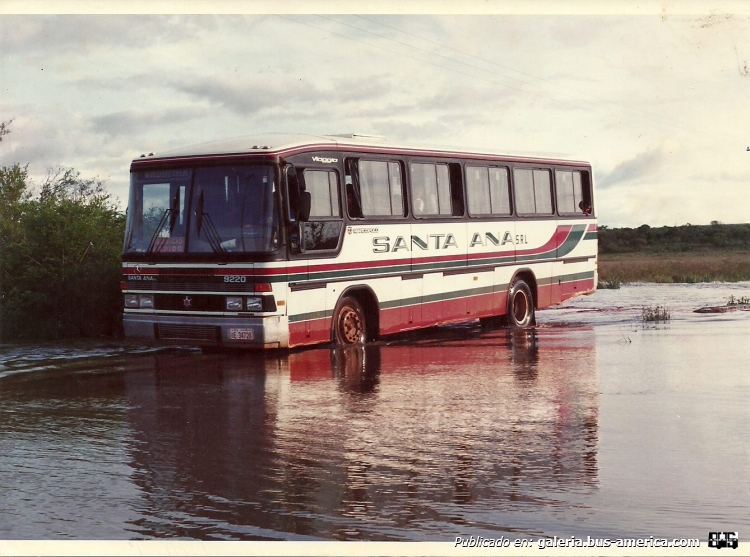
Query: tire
x=520 y=312
x=348 y=326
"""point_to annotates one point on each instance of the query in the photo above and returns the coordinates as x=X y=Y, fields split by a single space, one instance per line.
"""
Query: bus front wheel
x=520 y=305
x=349 y=322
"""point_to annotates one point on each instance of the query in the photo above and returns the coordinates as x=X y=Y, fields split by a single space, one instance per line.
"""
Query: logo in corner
x=719 y=540
x=187 y=302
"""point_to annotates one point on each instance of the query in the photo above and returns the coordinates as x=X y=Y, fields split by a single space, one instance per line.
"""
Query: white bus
x=277 y=241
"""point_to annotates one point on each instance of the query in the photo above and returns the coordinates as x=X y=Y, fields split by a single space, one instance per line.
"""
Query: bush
x=60 y=257
x=655 y=314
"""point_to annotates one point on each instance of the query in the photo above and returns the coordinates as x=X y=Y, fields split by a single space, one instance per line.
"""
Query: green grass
x=716 y=266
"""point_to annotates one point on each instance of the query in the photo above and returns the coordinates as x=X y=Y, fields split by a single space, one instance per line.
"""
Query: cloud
x=61 y=34
x=136 y=121
x=640 y=166
x=249 y=95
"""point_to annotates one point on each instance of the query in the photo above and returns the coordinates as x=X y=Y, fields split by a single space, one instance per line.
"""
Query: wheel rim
x=520 y=307
x=350 y=326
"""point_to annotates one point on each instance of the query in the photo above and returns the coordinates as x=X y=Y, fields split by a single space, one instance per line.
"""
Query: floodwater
x=592 y=424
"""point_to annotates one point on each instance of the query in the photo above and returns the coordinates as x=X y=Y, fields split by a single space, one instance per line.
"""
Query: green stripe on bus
x=572 y=240
x=577 y=276
x=310 y=316
x=448 y=296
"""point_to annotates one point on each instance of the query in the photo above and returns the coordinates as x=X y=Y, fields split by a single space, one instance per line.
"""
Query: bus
x=279 y=240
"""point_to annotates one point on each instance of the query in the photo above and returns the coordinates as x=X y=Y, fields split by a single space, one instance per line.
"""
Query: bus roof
x=279 y=144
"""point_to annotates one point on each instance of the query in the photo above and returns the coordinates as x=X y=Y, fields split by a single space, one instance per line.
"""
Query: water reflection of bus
x=374 y=442
x=280 y=241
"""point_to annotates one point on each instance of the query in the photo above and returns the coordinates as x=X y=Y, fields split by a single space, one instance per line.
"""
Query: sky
x=655 y=95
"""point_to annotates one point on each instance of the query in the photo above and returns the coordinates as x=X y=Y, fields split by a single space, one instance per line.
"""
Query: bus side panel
x=576 y=271
x=375 y=257
x=445 y=287
x=394 y=317
x=411 y=294
x=536 y=248
x=546 y=284
x=485 y=305
x=308 y=322
x=491 y=249
x=311 y=331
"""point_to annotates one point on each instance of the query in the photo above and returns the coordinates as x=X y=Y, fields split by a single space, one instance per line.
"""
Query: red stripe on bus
x=349 y=148
x=555 y=241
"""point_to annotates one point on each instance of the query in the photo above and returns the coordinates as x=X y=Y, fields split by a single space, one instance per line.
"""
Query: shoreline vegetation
x=674 y=254
x=60 y=244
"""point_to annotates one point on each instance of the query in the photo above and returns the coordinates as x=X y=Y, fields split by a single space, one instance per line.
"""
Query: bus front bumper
x=245 y=332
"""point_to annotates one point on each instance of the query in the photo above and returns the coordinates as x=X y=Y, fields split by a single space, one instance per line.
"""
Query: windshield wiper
x=212 y=235
x=158 y=230
x=172 y=214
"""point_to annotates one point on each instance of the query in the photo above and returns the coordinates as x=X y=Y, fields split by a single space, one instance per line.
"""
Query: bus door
x=315 y=229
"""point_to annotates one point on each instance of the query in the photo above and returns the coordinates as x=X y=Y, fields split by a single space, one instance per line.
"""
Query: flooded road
x=592 y=424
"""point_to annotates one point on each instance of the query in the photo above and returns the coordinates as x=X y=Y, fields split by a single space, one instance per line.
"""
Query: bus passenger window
x=572 y=193
x=431 y=189
x=533 y=191
x=488 y=190
x=380 y=189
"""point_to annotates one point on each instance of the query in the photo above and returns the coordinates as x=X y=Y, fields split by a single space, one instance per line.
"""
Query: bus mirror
x=295 y=237
x=305 y=202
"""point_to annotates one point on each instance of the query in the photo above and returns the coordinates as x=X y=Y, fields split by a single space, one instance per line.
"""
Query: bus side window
x=436 y=189
x=353 y=200
x=532 y=189
x=573 y=192
x=323 y=229
x=587 y=204
x=374 y=189
x=293 y=190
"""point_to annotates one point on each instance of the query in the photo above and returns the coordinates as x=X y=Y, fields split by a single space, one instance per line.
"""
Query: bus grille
x=191 y=286
x=187 y=332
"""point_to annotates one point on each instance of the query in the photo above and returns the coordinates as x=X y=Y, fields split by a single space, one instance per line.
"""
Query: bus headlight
x=146 y=301
x=131 y=300
x=254 y=303
x=234 y=303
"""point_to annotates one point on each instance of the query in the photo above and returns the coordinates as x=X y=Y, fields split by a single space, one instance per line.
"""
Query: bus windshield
x=225 y=209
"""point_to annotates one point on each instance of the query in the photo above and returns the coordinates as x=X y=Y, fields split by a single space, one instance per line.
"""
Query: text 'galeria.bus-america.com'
x=278 y=241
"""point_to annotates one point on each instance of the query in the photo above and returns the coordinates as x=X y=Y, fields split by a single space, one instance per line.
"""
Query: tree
x=4 y=129
x=60 y=256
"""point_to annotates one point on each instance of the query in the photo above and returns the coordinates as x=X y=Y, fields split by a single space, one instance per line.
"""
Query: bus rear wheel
x=349 y=322
x=520 y=311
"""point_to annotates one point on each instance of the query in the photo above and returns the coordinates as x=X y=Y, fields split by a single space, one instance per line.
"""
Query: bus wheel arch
x=522 y=300
x=357 y=306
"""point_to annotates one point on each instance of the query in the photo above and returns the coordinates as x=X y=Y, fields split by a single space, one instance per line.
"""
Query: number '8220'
x=234 y=278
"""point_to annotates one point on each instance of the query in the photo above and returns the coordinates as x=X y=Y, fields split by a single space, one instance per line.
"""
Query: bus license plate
x=241 y=334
